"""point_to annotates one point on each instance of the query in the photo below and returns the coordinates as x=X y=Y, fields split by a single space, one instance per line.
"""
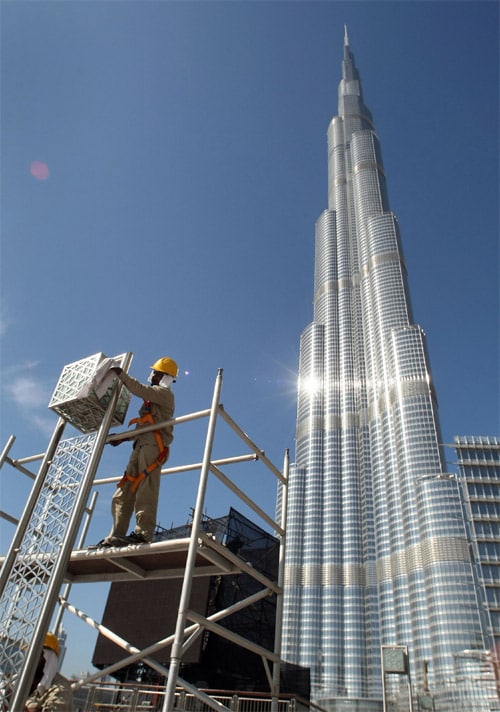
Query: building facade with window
x=377 y=549
x=478 y=459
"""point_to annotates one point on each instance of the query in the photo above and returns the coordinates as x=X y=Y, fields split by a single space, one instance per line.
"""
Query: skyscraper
x=377 y=550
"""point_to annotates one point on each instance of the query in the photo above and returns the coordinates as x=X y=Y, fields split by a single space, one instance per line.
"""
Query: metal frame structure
x=26 y=571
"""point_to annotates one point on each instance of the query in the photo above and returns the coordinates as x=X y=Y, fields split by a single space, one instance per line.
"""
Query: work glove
x=34 y=702
x=114 y=443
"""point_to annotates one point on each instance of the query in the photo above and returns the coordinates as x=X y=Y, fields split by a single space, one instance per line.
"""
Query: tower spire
x=346 y=37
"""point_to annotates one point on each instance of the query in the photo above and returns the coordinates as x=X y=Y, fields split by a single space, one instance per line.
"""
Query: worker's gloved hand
x=33 y=705
x=114 y=443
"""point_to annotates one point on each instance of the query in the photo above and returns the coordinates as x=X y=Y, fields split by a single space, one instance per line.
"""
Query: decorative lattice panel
x=38 y=552
x=79 y=401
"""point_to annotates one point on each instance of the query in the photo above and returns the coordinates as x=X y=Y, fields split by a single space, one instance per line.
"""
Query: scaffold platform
x=159 y=560
x=45 y=559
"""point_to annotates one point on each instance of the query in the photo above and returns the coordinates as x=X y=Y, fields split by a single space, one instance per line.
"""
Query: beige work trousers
x=144 y=501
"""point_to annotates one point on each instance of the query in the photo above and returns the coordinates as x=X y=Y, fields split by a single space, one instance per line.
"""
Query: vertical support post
x=410 y=694
x=135 y=699
x=281 y=581
x=384 y=692
x=33 y=654
x=90 y=697
x=176 y=654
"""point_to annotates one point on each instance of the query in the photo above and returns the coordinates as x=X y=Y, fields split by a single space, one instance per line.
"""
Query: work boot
x=110 y=541
x=135 y=538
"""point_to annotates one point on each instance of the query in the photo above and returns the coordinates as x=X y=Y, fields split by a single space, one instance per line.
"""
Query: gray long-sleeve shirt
x=162 y=406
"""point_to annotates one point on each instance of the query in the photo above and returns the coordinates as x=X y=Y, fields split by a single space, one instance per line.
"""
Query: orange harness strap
x=163 y=451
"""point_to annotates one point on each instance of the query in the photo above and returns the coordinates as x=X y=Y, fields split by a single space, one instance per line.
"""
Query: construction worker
x=139 y=487
x=50 y=691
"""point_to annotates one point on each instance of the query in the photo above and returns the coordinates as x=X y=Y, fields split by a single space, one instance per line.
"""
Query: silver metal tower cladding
x=377 y=550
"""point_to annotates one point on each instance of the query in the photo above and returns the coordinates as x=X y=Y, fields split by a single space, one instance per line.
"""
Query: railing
x=115 y=697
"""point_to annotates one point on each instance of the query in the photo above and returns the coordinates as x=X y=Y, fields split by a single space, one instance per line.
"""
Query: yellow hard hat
x=52 y=643
x=166 y=365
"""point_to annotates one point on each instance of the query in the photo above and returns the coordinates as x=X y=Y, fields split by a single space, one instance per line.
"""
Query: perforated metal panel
x=39 y=550
x=76 y=399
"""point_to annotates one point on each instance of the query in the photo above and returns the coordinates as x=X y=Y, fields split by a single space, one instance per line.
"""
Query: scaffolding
x=44 y=555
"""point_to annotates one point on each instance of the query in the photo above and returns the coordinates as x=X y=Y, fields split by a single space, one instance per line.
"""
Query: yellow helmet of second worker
x=52 y=643
x=166 y=365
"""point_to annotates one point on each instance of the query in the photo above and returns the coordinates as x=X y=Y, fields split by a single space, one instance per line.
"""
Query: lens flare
x=39 y=170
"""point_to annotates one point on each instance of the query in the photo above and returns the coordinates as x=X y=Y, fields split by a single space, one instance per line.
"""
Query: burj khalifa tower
x=377 y=551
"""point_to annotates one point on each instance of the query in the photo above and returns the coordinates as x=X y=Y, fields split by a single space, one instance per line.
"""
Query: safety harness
x=163 y=450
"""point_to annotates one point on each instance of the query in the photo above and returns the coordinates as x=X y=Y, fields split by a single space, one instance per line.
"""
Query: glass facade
x=377 y=550
x=479 y=469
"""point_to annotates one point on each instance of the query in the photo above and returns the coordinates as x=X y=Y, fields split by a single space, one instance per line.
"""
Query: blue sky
x=186 y=151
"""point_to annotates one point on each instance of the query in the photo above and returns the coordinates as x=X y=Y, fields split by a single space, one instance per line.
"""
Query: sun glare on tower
x=309 y=385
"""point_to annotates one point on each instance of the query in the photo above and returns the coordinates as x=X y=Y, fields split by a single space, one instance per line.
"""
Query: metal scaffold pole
x=281 y=580
x=176 y=654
